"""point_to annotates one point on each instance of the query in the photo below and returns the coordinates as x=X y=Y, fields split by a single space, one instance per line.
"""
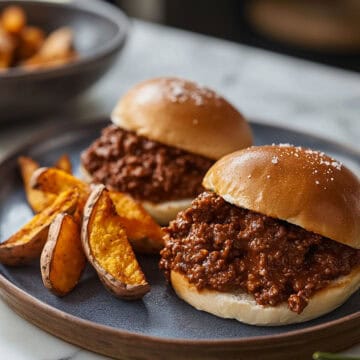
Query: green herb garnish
x=328 y=356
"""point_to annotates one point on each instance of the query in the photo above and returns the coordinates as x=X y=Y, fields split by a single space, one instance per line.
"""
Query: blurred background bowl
x=100 y=32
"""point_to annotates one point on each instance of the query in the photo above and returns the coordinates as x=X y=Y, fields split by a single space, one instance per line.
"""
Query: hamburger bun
x=182 y=114
x=165 y=211
x=243 y=307
x=300 y=186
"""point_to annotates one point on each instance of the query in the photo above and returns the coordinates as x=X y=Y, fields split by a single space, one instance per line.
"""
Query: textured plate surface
x=160 y=314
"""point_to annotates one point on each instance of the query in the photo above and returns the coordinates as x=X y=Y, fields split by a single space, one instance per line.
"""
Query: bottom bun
x=85 y=175
x=243 y=307
x=162 y=212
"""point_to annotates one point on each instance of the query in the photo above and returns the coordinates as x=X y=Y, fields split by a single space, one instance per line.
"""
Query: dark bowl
x=100 y=31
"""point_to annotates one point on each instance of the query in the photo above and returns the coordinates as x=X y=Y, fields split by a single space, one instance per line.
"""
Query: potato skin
x=120 y=289
x=117 y=287
x=62 y=259
x=14 y=254
x=48 y=251
x=27 y=243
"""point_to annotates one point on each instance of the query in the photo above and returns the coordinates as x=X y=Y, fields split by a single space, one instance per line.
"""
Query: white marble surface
x=265 y=86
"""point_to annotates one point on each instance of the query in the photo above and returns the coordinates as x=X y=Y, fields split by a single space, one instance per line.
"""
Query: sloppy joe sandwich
x=274 y=239
x=167 y=132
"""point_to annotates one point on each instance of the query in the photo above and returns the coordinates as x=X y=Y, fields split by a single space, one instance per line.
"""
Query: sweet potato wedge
x=13 y=19
x=30 y=40
x=57 y=49
x=107 y=248
x=62 y=259
x=144 y=234
x=38 y=200
x=64 y=163
x=39 y=62
x=56 y=181
x=58 y=44
x=27 y=244
x=7 y=49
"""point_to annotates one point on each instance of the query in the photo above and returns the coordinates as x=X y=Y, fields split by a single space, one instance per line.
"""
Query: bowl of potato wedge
x=51 y=52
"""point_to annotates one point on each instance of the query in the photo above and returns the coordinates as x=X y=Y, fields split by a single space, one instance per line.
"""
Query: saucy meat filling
x=146 y=169
x=220 y=246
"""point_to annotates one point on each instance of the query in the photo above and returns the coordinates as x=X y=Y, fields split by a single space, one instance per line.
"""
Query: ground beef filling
x=146 y=169
x=219 y=246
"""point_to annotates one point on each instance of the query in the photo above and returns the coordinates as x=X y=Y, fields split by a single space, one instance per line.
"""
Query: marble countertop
x=267 y=87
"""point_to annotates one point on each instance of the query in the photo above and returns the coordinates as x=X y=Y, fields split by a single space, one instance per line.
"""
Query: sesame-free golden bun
x=301 y=186
x=182 y=114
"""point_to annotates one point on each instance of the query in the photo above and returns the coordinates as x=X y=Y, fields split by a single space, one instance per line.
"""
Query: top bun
x=301 y=186
x=185 y=115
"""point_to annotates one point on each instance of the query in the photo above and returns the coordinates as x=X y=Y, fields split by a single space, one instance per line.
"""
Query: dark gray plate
x=160 y=313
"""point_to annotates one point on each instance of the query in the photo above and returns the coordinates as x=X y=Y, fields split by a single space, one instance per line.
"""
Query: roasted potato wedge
x=64 y=163
x=144 y=234
x=28 y=242
x=38 y=200
x=57 y=49
x=56 y=181
x=7 y=48
x=62 y=259
x=107 y=248
x=31 y=39
x=13 y=19
x=58 y=44
x=38 y=62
